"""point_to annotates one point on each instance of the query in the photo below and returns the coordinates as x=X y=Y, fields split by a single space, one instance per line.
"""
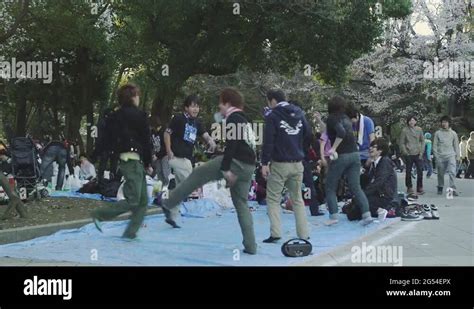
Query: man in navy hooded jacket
x=286 y=130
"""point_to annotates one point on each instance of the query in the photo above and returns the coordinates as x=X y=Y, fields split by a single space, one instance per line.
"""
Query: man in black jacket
x=131 y=139
x=103 y=151
x=237 y=166
x=286 y=133
x=382 y=179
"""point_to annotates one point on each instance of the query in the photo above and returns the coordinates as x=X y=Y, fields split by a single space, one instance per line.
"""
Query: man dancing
x=236 y=166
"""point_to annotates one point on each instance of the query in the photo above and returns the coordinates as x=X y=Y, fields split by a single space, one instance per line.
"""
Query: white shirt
x=463 y=149
x=87 y=170
x=377 y=161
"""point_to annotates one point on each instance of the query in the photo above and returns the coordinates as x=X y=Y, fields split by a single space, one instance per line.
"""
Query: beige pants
x=182 y=168
x=289 y=175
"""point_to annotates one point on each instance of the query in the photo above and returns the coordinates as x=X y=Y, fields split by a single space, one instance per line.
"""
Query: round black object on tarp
x=296 y=247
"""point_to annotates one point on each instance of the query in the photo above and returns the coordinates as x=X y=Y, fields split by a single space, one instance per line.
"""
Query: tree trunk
x=164 y=102
x=21 y=115
x=90 y=123
x=83 y=102
x=113 y=93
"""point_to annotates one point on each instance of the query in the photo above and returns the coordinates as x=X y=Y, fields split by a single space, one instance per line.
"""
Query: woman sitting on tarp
x=87 y=170
x=14 y=201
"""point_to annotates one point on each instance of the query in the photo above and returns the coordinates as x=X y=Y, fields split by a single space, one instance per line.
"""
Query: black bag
x=296 y=247
x=91 y=187
x=109 y=188
x=352 y=211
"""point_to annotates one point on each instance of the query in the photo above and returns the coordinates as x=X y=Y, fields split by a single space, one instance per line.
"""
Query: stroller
x=26 y=169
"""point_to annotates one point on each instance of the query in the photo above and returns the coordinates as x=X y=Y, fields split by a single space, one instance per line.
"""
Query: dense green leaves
x=165 y=46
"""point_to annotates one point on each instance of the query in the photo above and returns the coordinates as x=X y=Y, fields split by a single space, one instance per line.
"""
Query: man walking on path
x=464 y=164
x=286 y=130
x=470 y=156
x=412 y=145
x=446 y=151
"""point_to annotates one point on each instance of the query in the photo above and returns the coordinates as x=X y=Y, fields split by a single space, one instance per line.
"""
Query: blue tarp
x=71 y=194
x=214 y=240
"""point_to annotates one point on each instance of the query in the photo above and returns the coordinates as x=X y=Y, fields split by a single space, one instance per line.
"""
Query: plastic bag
x=75 y=183
x=217 y=192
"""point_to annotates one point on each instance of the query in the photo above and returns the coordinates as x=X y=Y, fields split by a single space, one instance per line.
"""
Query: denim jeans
x=446 y=166
x=347 y=164
x=309 y=183
x=58 y=154
x=428 y=166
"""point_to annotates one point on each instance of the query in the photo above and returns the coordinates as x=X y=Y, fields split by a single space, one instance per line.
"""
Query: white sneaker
x=382 y=214
x=427 y=214
x=434 y=212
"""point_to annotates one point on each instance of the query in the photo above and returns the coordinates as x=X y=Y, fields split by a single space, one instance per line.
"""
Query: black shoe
x=440 y=190
x=271 y=239
x=319 y=213
x=129 y=236
x=249 y=252
x=172 y=223
x=98 y=224
x=168 y=219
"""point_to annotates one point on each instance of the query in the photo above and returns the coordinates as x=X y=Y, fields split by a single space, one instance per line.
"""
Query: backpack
x=109 y=188
x=92 y=187
x=352 y=211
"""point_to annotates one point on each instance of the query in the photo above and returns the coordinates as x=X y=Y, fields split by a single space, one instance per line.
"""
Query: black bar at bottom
x=284 y=285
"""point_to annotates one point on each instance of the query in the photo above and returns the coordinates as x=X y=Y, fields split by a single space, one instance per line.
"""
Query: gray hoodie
x=446 y=144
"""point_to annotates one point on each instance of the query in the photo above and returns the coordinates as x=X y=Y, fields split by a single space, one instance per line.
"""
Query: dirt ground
x=52 y=210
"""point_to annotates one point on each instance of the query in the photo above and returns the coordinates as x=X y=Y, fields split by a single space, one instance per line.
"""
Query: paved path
x=447 y=242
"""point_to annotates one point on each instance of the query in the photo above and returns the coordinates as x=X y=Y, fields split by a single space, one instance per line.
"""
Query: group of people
x=448 y=154
x=345 y=153
x=61 y=152
x=346 y=142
